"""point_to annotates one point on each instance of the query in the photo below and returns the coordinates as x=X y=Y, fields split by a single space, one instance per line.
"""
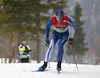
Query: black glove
x=70 y=41
x=47 y=42
x=24 y=53
x=27 y=51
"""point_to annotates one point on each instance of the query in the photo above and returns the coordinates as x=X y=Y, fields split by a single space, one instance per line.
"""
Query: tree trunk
x=10 y=52
x=38 y=48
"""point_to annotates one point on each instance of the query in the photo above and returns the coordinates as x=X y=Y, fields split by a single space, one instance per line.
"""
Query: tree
x=26 y=18
x=79 y=46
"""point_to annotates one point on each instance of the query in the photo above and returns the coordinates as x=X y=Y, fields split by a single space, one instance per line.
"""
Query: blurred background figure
x=24 y=52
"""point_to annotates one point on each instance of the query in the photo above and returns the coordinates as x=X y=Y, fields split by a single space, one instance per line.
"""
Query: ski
x=33 y=70
x=58 y=72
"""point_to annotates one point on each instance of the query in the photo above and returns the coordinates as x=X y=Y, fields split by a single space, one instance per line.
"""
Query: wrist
x=71 y=39
x=47 y=40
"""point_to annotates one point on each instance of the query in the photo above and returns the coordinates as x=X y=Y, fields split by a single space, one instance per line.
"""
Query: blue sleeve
x=49 y=24
x=70 y=23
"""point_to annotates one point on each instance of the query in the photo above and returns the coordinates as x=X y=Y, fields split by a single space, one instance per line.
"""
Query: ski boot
x=59 y=67
x=43 y=67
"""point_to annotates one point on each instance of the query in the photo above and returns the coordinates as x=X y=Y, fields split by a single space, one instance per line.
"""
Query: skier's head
x=59 y=11
x=24 y=41
x=59 y=15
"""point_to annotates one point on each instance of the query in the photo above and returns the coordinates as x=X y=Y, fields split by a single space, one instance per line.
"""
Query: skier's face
x=24 y=42
x=59 y=17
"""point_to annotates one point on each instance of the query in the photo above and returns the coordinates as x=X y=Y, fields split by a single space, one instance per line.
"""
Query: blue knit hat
x=59 y=11
x=23 y=39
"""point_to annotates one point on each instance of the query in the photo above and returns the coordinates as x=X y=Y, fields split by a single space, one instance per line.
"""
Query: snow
x=15 y=70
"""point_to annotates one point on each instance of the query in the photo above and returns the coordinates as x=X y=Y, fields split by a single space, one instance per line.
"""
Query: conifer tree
x=79 y=46
x=26 y=18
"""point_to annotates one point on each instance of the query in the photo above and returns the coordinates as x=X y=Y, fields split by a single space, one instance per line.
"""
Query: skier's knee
x=60 y=45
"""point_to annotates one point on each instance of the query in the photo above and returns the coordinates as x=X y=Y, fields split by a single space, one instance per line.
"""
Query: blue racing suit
x=60 y=33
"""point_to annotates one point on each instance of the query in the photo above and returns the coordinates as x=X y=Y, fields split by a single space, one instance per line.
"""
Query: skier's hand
x=29 y=51
x=70 y=41
x=23 y=53
x=47 y=42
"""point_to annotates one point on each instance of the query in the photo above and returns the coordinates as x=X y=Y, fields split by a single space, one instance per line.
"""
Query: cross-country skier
x=24 y=52
x=60 y=23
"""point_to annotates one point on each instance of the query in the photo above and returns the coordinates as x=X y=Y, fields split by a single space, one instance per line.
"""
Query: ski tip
x=58 y=72
x=34 y=70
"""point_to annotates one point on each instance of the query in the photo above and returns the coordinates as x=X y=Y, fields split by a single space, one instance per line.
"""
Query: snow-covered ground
x=68 y=71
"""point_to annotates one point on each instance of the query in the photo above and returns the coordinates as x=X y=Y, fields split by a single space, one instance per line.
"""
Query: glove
x=23 y=53
x=70 y=41
x=27 y=51
x=47 y=42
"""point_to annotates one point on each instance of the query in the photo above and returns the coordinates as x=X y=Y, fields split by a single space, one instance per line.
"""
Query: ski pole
x=49 y=64
x=68 y=60
x=73 y=56
x=13 y=52
x=18 y=58
x=48 y=46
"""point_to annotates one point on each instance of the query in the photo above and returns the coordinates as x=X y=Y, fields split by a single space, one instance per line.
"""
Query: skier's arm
x=71 y=24
x=29 y=49
x=49 y=24
x=21 y=49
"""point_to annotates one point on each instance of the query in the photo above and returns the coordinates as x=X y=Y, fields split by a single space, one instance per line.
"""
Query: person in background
x=24 y=52
x=60 y=22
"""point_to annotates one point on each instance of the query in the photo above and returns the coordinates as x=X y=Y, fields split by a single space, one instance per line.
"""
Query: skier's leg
x=50 y=49
x=48 y=54
x=61 y=43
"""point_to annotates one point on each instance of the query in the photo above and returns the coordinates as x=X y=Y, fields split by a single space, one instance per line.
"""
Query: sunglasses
x=59 y=15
